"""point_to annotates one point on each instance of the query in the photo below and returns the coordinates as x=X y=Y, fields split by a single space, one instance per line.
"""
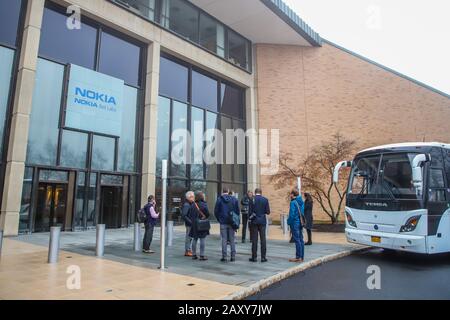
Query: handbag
x=203 y=224
x=302 y=218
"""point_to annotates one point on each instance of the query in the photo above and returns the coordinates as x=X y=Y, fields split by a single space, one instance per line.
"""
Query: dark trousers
x=148 y=236
x=260 y=229
x=244 y=226
x=309 y=232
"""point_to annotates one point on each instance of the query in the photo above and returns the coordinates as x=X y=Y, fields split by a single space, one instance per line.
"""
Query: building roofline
x=289 y=16
x=446 y=95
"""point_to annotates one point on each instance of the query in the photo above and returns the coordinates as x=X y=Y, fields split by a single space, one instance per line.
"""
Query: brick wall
x=310 y=93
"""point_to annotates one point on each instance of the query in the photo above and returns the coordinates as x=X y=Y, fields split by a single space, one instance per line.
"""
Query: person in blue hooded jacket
x=224 y=205
x=295 y=222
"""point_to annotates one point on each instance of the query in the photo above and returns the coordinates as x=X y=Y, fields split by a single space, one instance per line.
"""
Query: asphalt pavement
x=395 y=275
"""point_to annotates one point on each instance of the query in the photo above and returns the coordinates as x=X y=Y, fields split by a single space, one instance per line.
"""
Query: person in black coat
x=245 y=205
x=199 y=211
x=309 y=217
x=259 y=209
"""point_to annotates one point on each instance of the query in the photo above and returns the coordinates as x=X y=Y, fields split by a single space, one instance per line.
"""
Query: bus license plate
x=376 y=239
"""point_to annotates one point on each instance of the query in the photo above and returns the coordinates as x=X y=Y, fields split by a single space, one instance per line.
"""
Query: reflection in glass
x=73 y=149
x=103 y=153
x=79 y=200
x=238 y=50
x=227 y=169
x=53 y=176
x=204 y=91
x=212 y=35
x=179 y=141
x=127 y=141
x=9 y=21
x=210 y=139
x=108 y=179
x=76 y=46
x=25 y=205
x=92 y=200
x=180 y=17
x=232 y=101
x=145 y=8
x=162 y=149
x=197 y=127
x=239 y=152
x=113 y=51
x=6 y=62
x=173 y=80
x=44 y=120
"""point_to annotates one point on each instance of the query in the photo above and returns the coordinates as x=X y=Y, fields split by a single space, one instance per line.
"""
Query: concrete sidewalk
x=125 y=274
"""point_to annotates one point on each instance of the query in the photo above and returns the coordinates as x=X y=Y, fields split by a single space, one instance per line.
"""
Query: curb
x=263 y=284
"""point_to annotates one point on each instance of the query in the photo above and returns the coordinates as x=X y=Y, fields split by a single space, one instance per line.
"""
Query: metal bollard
x=282 y=221
x=267 y=228
x=285 y=225
x=1 y=242
x=53 y=248
x=100 y=244
x=169 y=233
x=137 y=237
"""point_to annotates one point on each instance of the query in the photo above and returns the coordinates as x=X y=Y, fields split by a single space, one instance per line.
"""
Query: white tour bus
x=398 y=197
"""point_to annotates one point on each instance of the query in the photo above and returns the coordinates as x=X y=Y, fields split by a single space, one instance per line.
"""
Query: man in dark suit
x=259 y=209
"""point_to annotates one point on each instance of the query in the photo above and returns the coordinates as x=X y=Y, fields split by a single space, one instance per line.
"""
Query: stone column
x=151 y=123
x=23 y=95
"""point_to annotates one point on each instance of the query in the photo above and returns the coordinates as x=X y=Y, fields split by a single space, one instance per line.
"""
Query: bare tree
x=316 y=172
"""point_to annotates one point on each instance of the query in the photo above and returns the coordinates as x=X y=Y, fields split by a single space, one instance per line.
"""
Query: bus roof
x=409 y=145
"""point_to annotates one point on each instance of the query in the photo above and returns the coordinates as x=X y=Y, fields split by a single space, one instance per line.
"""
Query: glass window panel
x=240 y=152
x=6 y=63
x=437 y=178
x=9 y=21
x=173 y=80
x=237 y=189
x=197 y=131
x=232 y=101
x=204 y=91
x=163 y=141
x=227 y=169
x=210 y=138
x=212 y=35
x=73 y=149
x=180 y=17
x=75 y=46
x=51 y=175
x=145 y=8
x=179 y=122
x=113 y=51
x=79 y=200
x=127 y=141
x=103 y=149
x=238 y=50
x=44 y=120
x=111 y=179
x=25 y=206
x=176 y=195
x=92 y=199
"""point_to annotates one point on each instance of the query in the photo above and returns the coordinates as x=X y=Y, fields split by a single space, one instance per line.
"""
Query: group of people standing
x=252 y=215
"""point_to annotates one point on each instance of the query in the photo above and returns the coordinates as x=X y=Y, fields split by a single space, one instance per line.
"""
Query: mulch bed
x=333 y=228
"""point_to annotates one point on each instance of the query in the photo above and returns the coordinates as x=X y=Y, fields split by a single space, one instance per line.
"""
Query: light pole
x=162 y=265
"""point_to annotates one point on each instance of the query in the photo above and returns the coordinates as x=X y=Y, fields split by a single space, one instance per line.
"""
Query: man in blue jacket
x=259 y=209
x=224 y=205
x=295 y=221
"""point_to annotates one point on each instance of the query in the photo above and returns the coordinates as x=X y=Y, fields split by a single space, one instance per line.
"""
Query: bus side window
x=447 y=168
x=437 y=189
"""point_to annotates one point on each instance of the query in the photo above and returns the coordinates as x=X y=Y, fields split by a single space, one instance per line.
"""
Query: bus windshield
x=383 y=176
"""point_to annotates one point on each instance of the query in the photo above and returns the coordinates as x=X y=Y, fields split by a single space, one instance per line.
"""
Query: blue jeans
x=227 y=234
x=297 y=233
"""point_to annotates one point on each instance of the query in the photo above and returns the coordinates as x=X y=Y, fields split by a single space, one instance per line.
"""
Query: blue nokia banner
x=94 y=102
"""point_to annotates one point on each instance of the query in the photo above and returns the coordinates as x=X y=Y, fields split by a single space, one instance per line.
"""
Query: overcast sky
x=409 y=36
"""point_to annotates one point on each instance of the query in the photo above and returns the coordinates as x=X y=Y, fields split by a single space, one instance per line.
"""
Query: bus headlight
x=411 y=224
x=350 y=220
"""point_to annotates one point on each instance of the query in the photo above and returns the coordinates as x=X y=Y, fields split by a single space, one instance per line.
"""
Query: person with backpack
x=259 y=209
x=149 y=217
x=296 y=221
x=190 y=197
x=199 y=215
x=245 y=204
x=226 y=212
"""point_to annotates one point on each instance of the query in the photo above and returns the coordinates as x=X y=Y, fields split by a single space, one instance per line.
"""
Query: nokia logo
x=377 y=204
x=93 y=95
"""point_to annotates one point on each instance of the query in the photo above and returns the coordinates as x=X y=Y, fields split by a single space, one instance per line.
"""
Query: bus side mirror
x=339 y=166
x=417 y=173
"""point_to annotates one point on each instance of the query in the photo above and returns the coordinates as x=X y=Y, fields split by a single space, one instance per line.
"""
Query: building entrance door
x=51 y=207
x=111 y=207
